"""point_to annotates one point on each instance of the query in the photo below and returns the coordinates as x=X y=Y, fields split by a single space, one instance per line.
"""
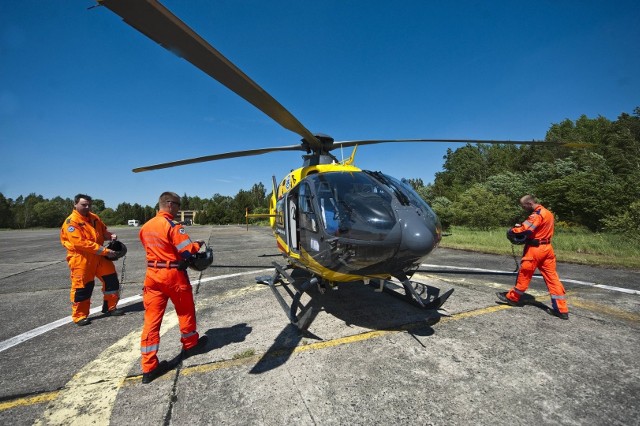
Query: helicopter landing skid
x=421 y=295
x=290 y=310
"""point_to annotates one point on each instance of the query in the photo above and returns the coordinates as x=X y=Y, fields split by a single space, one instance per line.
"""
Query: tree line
x=590 y=179
x=591 y=182
x=35 y=211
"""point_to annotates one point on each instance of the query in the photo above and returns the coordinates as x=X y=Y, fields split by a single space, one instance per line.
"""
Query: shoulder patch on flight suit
x=71 y=229
x=182 y=231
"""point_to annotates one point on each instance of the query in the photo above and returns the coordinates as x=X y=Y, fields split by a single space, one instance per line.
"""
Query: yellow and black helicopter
x=332 y=220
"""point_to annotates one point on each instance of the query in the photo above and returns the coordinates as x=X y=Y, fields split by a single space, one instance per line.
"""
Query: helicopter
x=332 y=221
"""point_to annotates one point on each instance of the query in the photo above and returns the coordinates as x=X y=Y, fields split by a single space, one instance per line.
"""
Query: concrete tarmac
x=366 y=358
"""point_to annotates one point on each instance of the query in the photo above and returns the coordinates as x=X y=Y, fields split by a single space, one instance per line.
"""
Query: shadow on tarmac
x=221 y=337
x=529 y=300
x=356 y=304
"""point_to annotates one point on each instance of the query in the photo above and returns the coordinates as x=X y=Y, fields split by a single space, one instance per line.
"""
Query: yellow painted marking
x=475 y=313
x=608 y=310
x=31 y=400
x=89 y=396
x=332 y=343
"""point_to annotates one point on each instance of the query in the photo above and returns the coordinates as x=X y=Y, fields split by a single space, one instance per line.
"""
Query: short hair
x=528 y=199
x=168 y=196
x=77 y=198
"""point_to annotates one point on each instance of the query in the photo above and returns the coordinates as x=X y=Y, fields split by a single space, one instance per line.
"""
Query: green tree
x=626 y=222
x=184 y=202
x=587 y=195
x=97 y=206
x=510 y=184
x=480 y=208
x=6 y=215
x=259 y=196
x=51 y=214
x=442 y=206
x=110 y=217
x=416 y=183
x=218 y=211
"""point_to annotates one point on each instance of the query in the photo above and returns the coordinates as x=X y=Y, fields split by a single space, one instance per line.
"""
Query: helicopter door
x=292 y=222
x=307 y=219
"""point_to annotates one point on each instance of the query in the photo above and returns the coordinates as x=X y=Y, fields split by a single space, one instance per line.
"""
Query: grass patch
x=245 y=354
x=573 y=246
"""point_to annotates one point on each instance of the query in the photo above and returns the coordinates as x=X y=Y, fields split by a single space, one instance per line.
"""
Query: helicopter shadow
x=355 y=305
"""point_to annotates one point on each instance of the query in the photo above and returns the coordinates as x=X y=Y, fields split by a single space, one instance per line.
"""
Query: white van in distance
x=133 y=222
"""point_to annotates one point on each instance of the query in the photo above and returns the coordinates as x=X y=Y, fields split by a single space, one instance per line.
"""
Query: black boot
x=197 y=349
x=149 y=377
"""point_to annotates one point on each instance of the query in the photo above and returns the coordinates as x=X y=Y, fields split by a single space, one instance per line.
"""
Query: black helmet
x=201 y=260
x=118 y=247
x=516 y=238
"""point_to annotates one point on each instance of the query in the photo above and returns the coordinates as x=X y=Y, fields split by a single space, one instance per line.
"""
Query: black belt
x=163 y=264
x=536 y=242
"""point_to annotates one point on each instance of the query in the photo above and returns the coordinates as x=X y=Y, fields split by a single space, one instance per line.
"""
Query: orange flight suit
x=538 y=253
x=83 y=238
x=167 y=246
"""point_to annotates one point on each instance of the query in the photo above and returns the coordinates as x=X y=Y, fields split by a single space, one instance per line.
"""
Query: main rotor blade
x=235 y=154
x=160 y=25
x=481 y=141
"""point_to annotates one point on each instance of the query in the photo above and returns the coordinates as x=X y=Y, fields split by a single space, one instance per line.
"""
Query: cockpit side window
x=304 y=199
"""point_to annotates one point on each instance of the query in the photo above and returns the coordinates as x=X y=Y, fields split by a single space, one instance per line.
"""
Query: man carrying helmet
x=536 y=233
x=168 y=250
x=83 y=235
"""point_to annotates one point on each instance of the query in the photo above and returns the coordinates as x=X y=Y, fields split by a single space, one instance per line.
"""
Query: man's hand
x=114 y=237
x=111 y=255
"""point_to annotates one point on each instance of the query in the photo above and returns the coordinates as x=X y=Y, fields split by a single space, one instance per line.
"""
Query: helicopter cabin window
x=304 y=199
x=352 y=205
x=307 y=218
x=328 y=208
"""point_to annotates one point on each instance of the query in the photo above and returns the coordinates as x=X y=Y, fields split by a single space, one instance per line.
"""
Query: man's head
x=528 y=203
x=169 y=202
x=82 y=204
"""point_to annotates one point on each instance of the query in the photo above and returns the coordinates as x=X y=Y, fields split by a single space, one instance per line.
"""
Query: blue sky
x=84 y=98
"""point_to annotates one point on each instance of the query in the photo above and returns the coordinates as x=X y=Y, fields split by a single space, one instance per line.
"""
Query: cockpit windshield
x=414 y=198
x=353 y=205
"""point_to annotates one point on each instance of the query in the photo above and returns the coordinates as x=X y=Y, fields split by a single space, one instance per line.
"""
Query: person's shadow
x=221 y=337
x=529 y=300
x=217 y=338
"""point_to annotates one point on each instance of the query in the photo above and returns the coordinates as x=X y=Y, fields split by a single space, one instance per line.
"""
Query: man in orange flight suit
x=83 y=234
x=536 y=232
x=168 y=249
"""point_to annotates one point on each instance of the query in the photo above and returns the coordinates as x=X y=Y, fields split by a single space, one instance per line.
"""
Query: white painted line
x=606 y=287
x=463 y=268
x=587 y=283
x=89 y=396
x=9 y=343
x=13 y=341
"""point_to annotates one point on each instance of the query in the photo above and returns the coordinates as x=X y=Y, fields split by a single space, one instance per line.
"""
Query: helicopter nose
x=417 y=237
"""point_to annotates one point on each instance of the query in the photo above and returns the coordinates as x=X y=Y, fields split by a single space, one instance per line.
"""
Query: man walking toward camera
x=168 y=249
x=536 y=233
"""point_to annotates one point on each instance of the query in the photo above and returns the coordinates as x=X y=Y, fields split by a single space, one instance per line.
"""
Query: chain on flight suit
x=538 y=253
x=167 y=247
x=83 y=237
